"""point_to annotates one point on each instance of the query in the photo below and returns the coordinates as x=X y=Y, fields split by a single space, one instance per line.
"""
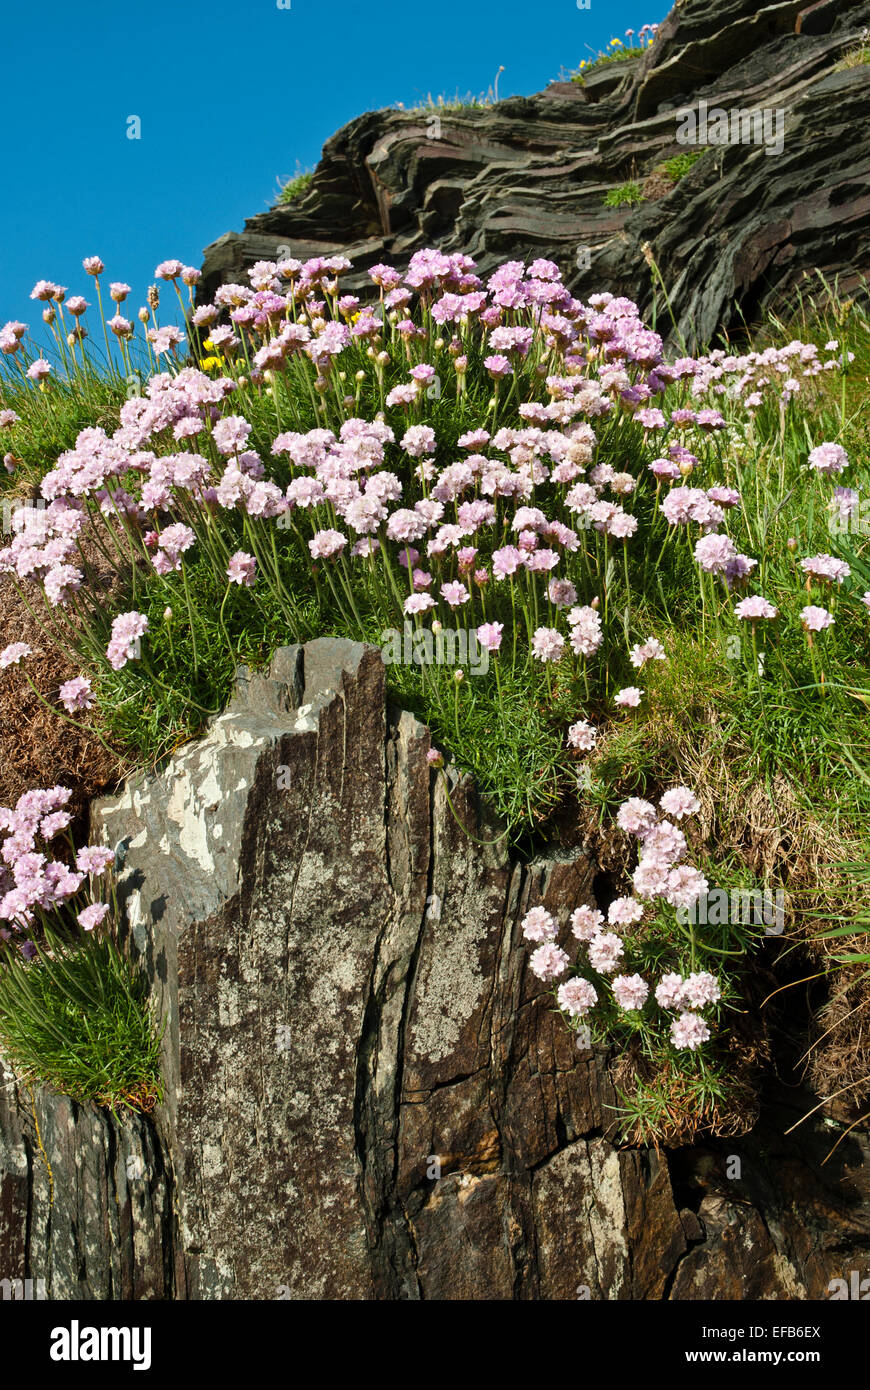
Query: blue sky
x=231 y=97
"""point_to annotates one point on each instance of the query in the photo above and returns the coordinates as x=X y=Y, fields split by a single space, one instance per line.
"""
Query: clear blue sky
x=231 y=97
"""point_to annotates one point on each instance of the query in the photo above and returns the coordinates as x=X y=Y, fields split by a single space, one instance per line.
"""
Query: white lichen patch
x=452 y=983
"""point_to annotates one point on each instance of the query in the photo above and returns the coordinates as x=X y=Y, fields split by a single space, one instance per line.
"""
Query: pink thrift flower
x=123 y=646
x=605 y=952
x=586 y=922
x=630 y=991
x=94 y=859
x=689 y=1030
x=325 y=544
x=547 y=644
x=92 y=916
x=816 y=619
x=418 y=603
x=548 y=962
x=628 y=698
x=242 y=569
x=455 y=594
x=679 y=802
x=636 y=816
x=577 y=997
x=75 y=694
x=651 y=650
x=624 y=912
x=582 y=736
x=755 y=607
x=489 y=635
x=828 y=458
x=539 y=925
x=701 y=988
x=15 y=652
x=669 y=991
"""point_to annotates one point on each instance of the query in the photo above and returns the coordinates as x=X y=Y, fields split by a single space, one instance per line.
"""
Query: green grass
x=626 y=195
x=295 y=187
x=603 y=60
x=75 y=1020
x=856 y=58
x=679 y=166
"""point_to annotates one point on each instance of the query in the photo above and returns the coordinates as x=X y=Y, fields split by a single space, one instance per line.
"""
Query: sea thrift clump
x=288 y=456
x=36 y=889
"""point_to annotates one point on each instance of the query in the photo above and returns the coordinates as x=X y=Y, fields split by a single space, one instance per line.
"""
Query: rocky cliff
x=735 y=237
x=369 y=1096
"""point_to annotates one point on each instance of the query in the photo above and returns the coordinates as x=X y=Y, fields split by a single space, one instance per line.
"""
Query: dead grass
x=41 y=749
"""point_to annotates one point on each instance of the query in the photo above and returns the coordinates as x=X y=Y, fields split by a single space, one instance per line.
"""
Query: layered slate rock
x=527 y=177
x=368 y=1095
x=85 y=1201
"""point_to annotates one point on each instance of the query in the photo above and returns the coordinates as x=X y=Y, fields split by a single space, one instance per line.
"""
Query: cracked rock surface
x=368 y=1095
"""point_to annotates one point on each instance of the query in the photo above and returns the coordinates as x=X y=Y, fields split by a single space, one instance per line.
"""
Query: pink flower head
x=539 y=925
x=642 y=652
x=679 y=802
x=689 y=1030
x=15 y=652
x=242 y=569
x=548 y=962
x=489 y=635
x=630 y=991
x=605 y=952
x=169 y=270
x=669 y=991
x=754 y=608
x=327 y=543
x=94 y=859
x=828 y=458
x=629 y=697
x=624 y=912
x=700 y=989
x=816 y=619
x=586 y=922
x=577 y=997
x=636 y=816
x=92 y=916
x=582 y=736
x=547 y=644
x=127 y=629
x=455 y=594
x=75 y=694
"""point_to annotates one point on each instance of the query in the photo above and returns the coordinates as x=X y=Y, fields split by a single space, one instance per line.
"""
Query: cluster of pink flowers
x=661 y=873
x=32 y=883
